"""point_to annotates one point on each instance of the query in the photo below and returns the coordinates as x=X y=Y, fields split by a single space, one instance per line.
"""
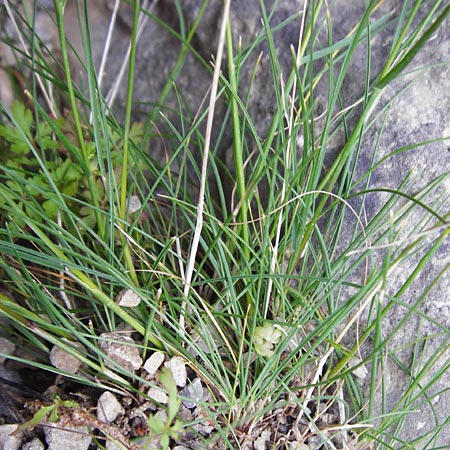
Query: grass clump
x=266 y=275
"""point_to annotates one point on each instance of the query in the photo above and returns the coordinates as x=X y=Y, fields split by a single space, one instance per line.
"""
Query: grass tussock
x=265 y=271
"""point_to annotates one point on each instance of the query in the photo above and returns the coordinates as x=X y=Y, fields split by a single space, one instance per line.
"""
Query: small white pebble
x=178 y=369
x=420 y=425
x=158 y=395
x=108 y=407
x=154 y=362
x=65 y=361
x=128 y=298
x=115 y=376
x=134 y=205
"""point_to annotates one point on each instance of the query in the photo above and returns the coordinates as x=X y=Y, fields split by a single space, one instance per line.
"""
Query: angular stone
x=154 y=362
x=178 y=369
x=262 y=440
x=65 y=361
x=193 y=391
x=128 y=298
x=158 y=395
x=69 y=438
x=134 y=204
x=121 y=349
x=108 y=407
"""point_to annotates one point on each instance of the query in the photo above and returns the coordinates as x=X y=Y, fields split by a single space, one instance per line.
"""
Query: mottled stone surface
x=122 y=349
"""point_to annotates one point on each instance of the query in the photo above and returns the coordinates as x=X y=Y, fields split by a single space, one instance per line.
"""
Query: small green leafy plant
x=170 y=427
x=48 y=171
x=21 y=138
x=49 y=412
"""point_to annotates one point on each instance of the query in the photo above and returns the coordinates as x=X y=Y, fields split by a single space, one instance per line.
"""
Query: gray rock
x=158 y=395
x=421 y=113
x=108 y=407
x=128 y=298
x=193 y=391
x=69 y=438
x=202 y=425
x=121 y=349
x=63 y=360
x=35 y=444
x=115 y=446
x=360 y=372
x=263 y=440
x=134 y=204
x=8 y=440
x=6 y=347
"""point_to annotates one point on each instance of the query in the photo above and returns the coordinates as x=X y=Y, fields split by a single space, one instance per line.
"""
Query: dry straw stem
x=201 y=196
